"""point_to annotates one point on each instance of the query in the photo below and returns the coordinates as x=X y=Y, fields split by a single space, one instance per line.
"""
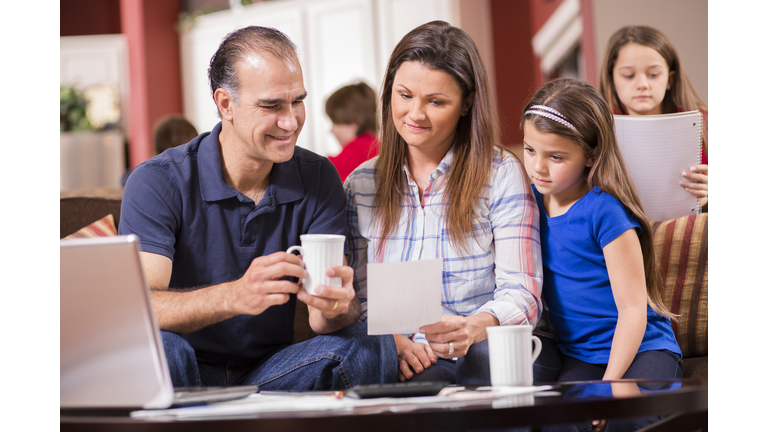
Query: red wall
x=517 y=68
x=89 y=17
x=153 y=57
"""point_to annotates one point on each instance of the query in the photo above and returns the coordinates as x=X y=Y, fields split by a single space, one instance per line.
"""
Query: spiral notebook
x=656 y=150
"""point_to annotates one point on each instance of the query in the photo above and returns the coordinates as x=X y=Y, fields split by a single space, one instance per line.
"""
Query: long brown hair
x=439 y=46
x=583 y=106
x=681 y=95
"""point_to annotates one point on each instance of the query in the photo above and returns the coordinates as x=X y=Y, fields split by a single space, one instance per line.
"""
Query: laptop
x=111 y=351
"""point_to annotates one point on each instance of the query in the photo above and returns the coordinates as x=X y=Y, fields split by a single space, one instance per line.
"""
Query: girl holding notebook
x=602 y=285
x=642 y=75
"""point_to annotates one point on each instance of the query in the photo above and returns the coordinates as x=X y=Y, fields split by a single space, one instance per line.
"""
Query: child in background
x=170 y=131
x=352 y=110
x=642 y=75
x=602 y=284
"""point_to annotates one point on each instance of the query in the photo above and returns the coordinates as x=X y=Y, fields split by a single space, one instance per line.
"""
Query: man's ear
x=224 y=102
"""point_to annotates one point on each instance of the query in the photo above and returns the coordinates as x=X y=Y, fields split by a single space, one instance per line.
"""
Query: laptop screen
x=111 y=352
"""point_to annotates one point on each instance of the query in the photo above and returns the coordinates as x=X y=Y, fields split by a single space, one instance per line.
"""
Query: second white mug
x=509 y=352
x=320 y=251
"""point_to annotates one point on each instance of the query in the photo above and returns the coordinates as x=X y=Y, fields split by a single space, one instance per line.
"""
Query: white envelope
x=404 y=296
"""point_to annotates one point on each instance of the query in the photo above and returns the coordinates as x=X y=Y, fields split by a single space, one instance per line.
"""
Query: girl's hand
x=416 y=356
x=697 y=181
x=450 y=337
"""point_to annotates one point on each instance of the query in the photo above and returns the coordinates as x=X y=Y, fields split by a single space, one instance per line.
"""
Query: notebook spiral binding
x=699 y=137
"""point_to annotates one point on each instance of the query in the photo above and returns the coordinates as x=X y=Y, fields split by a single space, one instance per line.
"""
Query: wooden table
x=682 y=402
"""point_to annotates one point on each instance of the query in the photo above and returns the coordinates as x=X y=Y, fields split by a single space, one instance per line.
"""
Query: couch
x=680 y=246
x=682 y=253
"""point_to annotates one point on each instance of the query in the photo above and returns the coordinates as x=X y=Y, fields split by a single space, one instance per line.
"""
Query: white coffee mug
x=509 y=349
x=319 y=252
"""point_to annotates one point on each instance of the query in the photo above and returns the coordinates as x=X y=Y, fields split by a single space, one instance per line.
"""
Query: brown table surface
x=682 y=402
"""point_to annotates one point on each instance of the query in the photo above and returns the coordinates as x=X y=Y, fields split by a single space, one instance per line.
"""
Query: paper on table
x=404 y=296
x=321 y=401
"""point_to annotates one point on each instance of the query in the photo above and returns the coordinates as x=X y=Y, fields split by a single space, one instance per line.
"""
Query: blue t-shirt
x=180 y=206
x=576 y=287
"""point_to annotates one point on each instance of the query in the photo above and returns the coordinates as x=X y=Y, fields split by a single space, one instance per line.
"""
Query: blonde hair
x=681 y=95
x=583 y=106
x=439 y=46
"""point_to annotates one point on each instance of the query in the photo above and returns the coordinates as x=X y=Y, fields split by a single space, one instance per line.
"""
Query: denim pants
x=334 y=361
x=473 y=368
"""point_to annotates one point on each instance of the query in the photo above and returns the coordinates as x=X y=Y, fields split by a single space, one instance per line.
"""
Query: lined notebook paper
x=656 y=150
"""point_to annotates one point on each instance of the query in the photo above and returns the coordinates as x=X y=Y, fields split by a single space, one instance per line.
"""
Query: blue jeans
x=334 y=361
x=473 y=368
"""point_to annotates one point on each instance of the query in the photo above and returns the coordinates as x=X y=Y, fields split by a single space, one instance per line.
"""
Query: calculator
x=405 y=389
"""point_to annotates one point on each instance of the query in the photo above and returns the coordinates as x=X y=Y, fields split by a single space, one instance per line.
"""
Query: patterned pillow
x=103 y=227
x=681 y=248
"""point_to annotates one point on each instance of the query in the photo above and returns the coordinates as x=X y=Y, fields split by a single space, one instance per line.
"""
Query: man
x=214 y=217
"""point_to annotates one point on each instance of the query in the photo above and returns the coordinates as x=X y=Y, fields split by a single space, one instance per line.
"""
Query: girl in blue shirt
x=601 y=282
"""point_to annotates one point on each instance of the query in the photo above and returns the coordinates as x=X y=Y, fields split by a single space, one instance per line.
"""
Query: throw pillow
x=103 y=227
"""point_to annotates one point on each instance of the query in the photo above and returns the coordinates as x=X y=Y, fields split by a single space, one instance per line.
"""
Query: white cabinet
x=339 y=42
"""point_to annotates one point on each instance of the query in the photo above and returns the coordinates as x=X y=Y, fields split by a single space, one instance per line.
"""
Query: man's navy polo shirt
x=180 y=206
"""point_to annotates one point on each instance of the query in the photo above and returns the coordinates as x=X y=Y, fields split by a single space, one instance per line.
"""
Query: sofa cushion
x=103 y=227
x=681 y=249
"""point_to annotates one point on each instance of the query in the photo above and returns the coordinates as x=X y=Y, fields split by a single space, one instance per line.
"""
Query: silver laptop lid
x=111 y=351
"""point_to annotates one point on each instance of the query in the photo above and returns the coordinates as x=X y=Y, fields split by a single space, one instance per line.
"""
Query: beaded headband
x=553 y=115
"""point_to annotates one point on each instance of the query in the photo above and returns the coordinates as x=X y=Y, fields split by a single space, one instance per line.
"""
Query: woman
x=441 y=189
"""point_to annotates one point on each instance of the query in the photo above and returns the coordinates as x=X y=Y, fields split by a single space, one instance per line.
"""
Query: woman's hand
x=697 y=183
x=412 y=355
x=450 y=337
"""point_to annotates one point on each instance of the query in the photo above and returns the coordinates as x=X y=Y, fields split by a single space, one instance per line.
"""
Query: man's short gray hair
x=239 y=43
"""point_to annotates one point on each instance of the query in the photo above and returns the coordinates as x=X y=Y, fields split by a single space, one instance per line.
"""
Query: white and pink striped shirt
x=501 y=273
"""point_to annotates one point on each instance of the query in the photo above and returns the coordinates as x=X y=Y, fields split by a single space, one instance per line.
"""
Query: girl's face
x=641 y=77
x=555 y=164
x=426 y=106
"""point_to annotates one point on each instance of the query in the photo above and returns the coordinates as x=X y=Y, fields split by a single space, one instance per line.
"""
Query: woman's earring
x=464 y=113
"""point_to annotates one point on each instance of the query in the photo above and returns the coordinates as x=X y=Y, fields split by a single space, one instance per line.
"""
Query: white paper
x=656 y=150
x=404 y=296
x=258 y=403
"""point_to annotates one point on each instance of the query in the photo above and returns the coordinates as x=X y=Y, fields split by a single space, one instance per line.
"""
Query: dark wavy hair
x=239 y=43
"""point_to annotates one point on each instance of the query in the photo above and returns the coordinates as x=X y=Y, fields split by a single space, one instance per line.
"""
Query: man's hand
x=259 y=288
x=332 y=308
x=332 y=301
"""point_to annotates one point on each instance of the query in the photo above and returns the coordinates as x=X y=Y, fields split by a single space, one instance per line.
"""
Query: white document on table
x=404 y=296
x=293 y=402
